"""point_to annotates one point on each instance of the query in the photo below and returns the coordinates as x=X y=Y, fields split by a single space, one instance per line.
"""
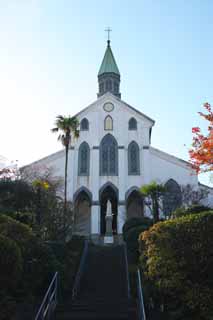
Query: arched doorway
x=172 y=198
x=134 y=204
x=82 y=212
x=108 y=192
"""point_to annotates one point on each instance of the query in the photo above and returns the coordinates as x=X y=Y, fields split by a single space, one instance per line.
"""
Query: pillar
x=95 y=219
x=121 y=216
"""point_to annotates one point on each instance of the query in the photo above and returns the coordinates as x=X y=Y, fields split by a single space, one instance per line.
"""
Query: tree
x=68 y=128
x=153 y=194
x=192 y=196
x=201 y=153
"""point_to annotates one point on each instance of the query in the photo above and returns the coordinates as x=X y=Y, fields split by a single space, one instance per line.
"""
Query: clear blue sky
x=50 y=53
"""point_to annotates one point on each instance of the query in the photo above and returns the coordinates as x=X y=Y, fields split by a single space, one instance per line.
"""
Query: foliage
x=10 y=264
x=153 y=194
x=180 y=212
x=16 y=196
x=177 y=259
x=7 y=306
x=40 y=264
x=191 y=196
x=135 y=222
x=9 y=173
x=131 y=230
x=201 y=153
x=16 y=231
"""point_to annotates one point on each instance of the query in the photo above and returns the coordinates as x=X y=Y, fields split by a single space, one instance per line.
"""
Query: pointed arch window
x=84 y=125
x=108 y=123
x=172 y=198
x=133 y=159
x=83 y=159
x=132 y=124
x=109 y=156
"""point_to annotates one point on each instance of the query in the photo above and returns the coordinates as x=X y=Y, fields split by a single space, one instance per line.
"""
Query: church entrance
x=108 y=193
x=134 y=205
x=82 y=213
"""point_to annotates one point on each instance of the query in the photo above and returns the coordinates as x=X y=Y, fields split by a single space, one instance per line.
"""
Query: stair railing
x=50 y=301
x=141 y=308
x=127 y=270
x=76 y=286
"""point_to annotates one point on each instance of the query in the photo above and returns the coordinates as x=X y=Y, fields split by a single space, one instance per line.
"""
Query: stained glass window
x=109 y=156
x=133 y=159
x=83 y=159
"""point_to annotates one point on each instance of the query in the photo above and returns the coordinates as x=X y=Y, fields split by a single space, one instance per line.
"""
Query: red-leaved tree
x=201 y=153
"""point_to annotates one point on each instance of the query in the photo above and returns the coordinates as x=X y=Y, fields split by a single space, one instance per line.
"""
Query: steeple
x=109 y=75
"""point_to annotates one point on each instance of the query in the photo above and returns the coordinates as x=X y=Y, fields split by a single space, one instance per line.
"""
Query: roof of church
x=108 y=64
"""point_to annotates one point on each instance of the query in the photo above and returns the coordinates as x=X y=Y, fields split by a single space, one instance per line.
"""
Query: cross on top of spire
x=108 y=30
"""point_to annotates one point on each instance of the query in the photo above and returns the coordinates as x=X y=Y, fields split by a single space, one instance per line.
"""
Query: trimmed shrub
x=135 y=222
x=131 y=230
x=180 y=212
x=177 y=260
x=10 y=264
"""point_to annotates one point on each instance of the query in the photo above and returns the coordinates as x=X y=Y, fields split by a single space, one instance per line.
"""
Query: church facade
x=113 y=158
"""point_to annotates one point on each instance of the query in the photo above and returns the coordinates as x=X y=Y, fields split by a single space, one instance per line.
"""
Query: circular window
x=108 y=107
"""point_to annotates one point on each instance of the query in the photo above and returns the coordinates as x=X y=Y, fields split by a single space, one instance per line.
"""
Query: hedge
x=10 y=264
x=177 y=260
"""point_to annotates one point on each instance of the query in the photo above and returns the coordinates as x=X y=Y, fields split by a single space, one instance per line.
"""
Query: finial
x=108 y=30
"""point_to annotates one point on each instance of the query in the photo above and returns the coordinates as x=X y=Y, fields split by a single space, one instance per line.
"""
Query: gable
x=108 y=97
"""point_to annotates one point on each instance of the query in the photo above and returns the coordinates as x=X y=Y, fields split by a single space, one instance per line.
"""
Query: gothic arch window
x=132 y=124
x=83 y=159
x=109 y=85
x=116 y=87
x=172 y=197
x=133 y=159
x=108 y=123
x=101 y=87
x=84 y=125
x=109 y=156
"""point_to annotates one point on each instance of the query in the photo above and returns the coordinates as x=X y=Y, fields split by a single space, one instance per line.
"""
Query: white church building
x=113 y=158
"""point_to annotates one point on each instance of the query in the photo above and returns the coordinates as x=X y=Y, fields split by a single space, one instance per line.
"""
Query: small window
x=108 y=123
x=84 y=124
x=132 y=124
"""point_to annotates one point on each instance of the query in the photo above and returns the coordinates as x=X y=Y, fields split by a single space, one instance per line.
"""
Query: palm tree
x=68 y=128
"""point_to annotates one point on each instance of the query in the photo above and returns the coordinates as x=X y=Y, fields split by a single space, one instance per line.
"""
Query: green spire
x=108 y=64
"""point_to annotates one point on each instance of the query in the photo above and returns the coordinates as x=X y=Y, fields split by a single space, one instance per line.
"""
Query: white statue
x=109 y=209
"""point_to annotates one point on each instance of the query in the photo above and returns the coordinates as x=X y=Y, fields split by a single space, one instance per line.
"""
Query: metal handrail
x=127 y=271
x=141 y=309
x=50 y=300
x=76 y=286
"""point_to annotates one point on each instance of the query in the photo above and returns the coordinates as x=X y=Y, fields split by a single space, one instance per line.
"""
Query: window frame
x=130 y=171
x=80 y=150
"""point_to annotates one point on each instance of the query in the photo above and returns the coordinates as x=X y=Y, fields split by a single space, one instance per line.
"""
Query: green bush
x=16 y=231
x=10 y=264
x=180 y=212
x=135 y=222
x=131 y=230
x=177 y=260
x=7 y=306
x=40 y=264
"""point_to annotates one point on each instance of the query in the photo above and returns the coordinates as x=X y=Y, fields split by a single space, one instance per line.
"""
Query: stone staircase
x=104 y=289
